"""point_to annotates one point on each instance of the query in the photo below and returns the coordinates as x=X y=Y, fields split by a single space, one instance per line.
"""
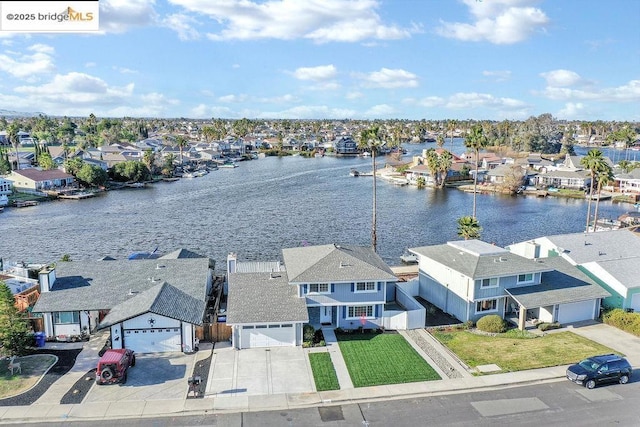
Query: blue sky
x=335 y=59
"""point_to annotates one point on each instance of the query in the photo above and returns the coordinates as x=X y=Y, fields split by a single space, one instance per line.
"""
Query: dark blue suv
x=600 y=369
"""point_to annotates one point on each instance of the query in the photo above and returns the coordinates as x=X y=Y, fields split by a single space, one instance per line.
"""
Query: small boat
x=77 y=195
x=596 y=197
x=409 y=258
x=228 y=165
x=136 y=185
x=188 y=175
x=26 y=203
x=354 y=172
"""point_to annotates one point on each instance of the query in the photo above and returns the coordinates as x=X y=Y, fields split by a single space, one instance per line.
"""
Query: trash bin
x=40 y=339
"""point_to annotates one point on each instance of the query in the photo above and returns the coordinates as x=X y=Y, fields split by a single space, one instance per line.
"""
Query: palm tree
x=475 y=140
x=371 y=139
x=445 y=160
x=469 y=228
x=452 y=125
x=181 y=143
x=604 y=175
x=591 y=161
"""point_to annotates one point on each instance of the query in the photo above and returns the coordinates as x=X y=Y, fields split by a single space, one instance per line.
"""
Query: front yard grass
x=32 y=369
x=324 y=374
x=377 y=359
x=517 y=352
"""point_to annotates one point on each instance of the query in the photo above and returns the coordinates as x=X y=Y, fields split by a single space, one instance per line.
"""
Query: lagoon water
x=265 y=205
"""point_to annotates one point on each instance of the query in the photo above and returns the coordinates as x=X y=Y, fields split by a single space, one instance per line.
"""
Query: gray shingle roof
x=477 y=259
x=626 y=270
x=163 y=299
x=563 y=285
x=102 y=285
x=263 y=298
x=334 y=263
x=180 y=254
x=601 y=246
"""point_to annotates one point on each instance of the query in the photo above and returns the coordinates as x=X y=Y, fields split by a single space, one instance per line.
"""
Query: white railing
x=414 y=315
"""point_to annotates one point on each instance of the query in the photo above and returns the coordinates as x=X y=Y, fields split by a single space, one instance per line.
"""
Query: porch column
x=522 y=317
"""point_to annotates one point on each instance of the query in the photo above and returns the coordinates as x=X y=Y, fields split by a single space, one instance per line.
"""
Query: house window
x=365 y=287
x=360 y=311
x=66 y=317
x=525 y=278
x=319 y=288
x=489 y=283
x=487 y=305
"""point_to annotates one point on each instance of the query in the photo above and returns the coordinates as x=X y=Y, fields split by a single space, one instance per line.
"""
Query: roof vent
x=273 y=275
x=132 y=292
x=503 y=259
x=158 y=266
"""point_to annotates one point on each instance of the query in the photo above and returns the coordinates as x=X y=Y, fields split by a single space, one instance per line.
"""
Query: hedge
x=628 y=322
x=492 y=323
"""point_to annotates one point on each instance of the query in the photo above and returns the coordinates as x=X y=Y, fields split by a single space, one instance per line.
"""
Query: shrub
x=468 y=324
x=307 y=332
x=628 y=322
x=545 y=326
x=318 y=336
x=492 y=323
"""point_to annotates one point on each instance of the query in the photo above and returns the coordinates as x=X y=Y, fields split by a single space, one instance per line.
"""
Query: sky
x=334 y=59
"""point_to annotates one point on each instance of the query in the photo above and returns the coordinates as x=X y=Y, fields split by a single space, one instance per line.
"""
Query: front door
x=325 y=314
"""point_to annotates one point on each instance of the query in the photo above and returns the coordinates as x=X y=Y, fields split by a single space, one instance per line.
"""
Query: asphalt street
x=558 y=403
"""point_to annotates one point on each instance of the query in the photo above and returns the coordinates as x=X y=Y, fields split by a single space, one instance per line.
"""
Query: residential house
x=6 y=187
x=458 y=171
x=610 y=258
x=470 y=279
x=339 y=286
x=345 y=146
x=149 y=305
x=628 y=183
x=510 y=175
x=34 y=179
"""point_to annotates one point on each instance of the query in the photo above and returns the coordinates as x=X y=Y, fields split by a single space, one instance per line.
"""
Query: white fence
x=414 y=315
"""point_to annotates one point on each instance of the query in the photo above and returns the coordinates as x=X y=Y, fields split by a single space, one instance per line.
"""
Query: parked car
x=113 y=366
x=600 y=369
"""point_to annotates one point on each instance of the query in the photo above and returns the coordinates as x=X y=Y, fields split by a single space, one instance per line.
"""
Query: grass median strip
x=377 y=359
x=324 y=374
x=512 y=352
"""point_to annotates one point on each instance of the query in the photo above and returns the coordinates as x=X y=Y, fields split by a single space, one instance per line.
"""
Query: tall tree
x=14 y=140
x=475 y=140
x=604 y=175
x=181 y=143
x=469 y=228
x=370 y=138
x=592 y=161
x=14 y=326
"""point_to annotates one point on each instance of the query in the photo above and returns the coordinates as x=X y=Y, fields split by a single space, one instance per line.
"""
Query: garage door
x=153 y=340
x=268 y=336
x=576 y=312
x=635 y=302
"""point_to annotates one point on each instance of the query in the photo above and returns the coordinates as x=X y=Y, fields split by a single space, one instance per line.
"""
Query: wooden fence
x=214 y=332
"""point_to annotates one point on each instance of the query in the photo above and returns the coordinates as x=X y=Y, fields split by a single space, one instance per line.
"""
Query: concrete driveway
x=259 y=371
x=158 y=376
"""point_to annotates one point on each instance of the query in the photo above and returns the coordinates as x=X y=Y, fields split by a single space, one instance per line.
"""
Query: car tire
x=133 y=361
x=624 y=379
x=107 y=374
x=590 y=384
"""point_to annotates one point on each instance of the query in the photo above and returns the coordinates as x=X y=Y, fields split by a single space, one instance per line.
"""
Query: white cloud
x=629 y=92
x=183 y=25
x=78 y=89
x=484 y=100
x=310 y=112
x=319 y=73
x=284 y=99
x=118 y=16
x=354 y=95
x=388 y=79
x=498 y=76
x=124 y=70
x=561 y=78
x=25 y=65
x=318 y=20
x=233 y=98
x=90 y=64
x=428 y=102
x=572 y=110
x=380 y=111
x=496 y=21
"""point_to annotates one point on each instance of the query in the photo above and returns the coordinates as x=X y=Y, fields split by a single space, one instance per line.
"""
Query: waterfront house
x=470 y=279
x=36 y=180
x=571 y=179
x=149 y=305
x=338 y=286
x=6 y=187
x=628 y=183
x=345 y=146
x=610 y=258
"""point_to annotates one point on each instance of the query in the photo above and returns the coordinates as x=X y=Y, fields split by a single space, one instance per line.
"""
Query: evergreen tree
x=14 y=327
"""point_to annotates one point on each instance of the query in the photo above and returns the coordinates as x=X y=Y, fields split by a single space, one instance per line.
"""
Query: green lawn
x=376 y=359
x=515 y=353
x=324 y=373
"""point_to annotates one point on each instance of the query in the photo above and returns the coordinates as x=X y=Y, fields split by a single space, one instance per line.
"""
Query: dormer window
x=525 y=278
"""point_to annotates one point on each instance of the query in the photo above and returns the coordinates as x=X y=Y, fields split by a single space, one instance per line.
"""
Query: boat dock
x=26 y=203
x=75 y=196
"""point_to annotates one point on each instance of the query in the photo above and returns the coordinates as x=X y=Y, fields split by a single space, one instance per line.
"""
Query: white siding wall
x=142 y=322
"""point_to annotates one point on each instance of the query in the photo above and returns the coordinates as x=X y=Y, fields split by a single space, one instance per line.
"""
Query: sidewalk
x=43 y=409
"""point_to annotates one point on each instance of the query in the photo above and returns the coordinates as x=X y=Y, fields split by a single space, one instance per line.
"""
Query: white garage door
x=267 y=336
x=153 y=340
x=635 y=302
x=576 y=312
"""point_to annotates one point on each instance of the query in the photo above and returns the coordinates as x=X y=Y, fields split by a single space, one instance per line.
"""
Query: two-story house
x=470 y=279
x=339 y=286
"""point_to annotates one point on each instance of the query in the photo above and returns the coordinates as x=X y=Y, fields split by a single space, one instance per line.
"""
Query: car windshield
x=589 y=365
